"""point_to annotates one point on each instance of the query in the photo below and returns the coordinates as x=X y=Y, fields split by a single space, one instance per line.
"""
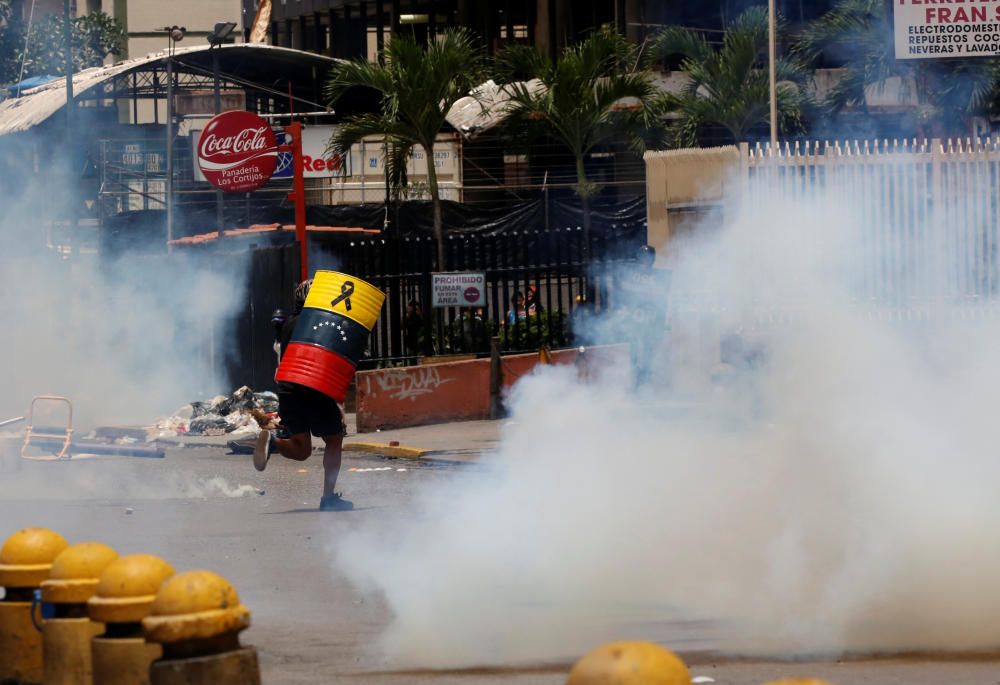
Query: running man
x=304 y=413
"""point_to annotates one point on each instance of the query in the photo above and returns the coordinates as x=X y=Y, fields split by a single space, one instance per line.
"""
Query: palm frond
x=678 y=40
x=397 y=155
x=358 y=73
x=518 y=63
x=355 y=129
x=729 y=86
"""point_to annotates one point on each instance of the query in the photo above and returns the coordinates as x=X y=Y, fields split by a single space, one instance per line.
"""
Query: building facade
x=144 y=20
x=355 y=28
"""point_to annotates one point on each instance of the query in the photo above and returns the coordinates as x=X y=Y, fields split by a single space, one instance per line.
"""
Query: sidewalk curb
x=398 y=451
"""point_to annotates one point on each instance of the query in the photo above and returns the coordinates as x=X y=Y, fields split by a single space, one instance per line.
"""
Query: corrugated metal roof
x=482 y=110
x=38 y=104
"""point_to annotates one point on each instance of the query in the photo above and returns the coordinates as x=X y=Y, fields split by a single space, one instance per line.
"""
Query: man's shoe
x=262 y=450
x=335 y=503
x=241 y=446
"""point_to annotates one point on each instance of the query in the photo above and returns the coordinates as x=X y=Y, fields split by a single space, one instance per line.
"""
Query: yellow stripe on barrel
x=346 y=295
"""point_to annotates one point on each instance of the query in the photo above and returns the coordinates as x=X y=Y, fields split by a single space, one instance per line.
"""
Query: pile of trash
x=241 y=412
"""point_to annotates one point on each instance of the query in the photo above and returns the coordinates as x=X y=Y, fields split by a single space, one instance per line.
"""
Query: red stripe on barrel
x=317 y=368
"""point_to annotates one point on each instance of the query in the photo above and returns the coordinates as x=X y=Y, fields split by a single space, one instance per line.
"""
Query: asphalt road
x=200 y=508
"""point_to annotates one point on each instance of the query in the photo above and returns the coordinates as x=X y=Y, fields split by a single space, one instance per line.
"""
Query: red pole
x=298 y=196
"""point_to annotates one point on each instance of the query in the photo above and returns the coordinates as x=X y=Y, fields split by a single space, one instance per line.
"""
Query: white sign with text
x=936 y=29
x=458 y=290
x=316 y=162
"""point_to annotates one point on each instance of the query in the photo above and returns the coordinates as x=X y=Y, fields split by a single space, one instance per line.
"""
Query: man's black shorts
x=304 y=410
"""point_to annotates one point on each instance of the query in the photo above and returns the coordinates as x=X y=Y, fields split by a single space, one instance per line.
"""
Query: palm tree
x=417 y=86
x=948 y=91
x=729 y=86
x=599 y=90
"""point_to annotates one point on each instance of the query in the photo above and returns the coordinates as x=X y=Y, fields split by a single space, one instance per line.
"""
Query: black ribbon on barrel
x=346 y=290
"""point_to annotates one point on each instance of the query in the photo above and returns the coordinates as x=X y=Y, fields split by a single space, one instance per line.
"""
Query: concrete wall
x=452 y=391
x=144 y=18
x=683 y=186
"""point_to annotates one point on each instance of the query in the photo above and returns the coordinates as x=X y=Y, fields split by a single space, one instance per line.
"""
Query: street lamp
x=220 y=35
x=175 y=34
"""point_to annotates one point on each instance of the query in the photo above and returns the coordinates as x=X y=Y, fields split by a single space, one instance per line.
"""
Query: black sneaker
x=262 y=450
x=335 y=503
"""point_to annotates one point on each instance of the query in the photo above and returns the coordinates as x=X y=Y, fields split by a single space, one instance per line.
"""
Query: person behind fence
x=643 y=292
x=305 y=411
x=517 y=311
x=413 y=330
x=534 y=302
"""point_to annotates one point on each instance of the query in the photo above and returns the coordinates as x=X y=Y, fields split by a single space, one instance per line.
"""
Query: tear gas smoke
x=833 y=491
x=126 y=340
x=104 y=480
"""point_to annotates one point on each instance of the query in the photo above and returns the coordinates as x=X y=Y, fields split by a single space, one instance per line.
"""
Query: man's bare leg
x=298 y=447
x=331 y=463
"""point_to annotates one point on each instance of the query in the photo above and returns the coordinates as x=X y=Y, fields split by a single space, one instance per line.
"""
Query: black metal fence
x=551 y=263
x=548 y=269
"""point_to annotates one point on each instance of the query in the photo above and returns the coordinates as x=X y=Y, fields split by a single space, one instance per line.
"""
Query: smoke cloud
x=829 y=488
x=126 y=340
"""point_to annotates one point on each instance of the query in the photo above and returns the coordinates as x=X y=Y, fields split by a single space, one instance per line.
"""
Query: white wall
x=146 y=17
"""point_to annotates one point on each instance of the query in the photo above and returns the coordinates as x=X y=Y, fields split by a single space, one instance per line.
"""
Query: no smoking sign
x=458 y=290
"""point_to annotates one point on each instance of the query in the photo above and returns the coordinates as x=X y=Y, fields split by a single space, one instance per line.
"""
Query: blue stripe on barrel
x=333 y=332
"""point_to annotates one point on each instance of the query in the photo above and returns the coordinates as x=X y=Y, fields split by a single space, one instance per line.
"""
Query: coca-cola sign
x=237 y=152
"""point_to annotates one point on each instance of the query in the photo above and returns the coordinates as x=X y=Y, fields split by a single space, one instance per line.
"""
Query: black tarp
x=145 y=231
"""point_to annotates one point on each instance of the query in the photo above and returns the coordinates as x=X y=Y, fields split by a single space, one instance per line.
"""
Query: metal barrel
x=346 y=295
x=333 y=332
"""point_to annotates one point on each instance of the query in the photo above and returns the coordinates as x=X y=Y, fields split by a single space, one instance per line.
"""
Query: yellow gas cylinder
x=66 y=636
x=197 y=618
x=25 y=560
x=629 y=663
x=124 y=596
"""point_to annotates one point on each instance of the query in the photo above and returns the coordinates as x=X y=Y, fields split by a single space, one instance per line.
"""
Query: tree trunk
x=432 y=181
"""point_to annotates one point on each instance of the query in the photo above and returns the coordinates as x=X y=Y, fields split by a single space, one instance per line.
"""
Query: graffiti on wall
x=406 y=384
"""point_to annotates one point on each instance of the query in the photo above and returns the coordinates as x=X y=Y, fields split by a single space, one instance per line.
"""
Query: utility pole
x=773 y=72
x=169 y=189
x=71 y=145
x=220 y=212
x=68 y=42
x=174 y=34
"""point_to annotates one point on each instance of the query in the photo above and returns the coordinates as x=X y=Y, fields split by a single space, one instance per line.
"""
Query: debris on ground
x=243 y=412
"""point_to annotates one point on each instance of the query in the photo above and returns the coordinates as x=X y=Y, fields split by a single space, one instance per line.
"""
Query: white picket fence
x=930 y=210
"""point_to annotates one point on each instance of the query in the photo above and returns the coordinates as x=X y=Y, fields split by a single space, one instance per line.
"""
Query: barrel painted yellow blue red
x=331 y=334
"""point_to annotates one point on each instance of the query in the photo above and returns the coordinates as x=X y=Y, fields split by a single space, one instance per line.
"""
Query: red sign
x=237 y=152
